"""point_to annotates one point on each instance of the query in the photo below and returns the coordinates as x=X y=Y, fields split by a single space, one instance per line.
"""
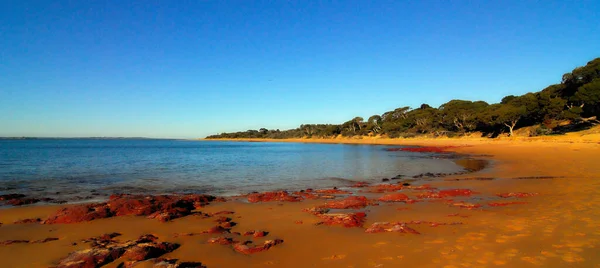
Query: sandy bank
x=557 y=227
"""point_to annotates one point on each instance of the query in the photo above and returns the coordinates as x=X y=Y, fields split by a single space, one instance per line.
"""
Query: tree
x=589 y=95
x=461 y=115
x=508 y=115
x=374 y=123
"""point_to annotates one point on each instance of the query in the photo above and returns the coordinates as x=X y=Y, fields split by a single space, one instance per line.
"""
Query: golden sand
x=560 y=227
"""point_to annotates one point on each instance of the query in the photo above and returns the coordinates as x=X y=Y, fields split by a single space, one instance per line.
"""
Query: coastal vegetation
x=572 y=105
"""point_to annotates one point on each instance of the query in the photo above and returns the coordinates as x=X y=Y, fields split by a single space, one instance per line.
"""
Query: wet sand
x=558 y=227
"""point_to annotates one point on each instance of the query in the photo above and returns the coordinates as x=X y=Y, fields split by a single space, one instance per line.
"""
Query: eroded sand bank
x=558 y=227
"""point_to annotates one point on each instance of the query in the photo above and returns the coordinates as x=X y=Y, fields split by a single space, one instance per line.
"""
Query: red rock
x=216 y=230
x=101 y=241
x=227 y=225
x=246 y=248
x=221 y=240
x=162 y=207
x=223 y=219
x=91 y=258
x=501 y=204
x=381 y=188
x=395 y=197
x=26 y=221
x=223 y=212
x=258 y=234
x=169 y=214
x=20 y=202
x=517 y=195
x=174 y=263
x=273 y=196
x=144 y=251
x=447 y=193
x=316 y=210
x=10 y=242
x=379 y=227
x=45 y=240
x=346 y=220
x=147 y=238
x=466 y=205
x=79 y=213
x=332 y=191
x=348 y=202
x=298 y=222
x=422 y=187
x=455 y=192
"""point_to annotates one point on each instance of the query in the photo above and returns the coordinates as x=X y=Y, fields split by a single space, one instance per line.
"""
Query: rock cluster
x=161 y=207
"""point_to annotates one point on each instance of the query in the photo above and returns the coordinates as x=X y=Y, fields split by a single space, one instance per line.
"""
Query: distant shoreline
x=574 y=137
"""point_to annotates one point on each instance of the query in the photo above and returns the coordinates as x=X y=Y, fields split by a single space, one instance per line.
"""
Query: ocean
x=88 y=169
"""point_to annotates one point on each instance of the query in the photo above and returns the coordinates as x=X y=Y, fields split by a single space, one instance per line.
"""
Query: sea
x=79 y=170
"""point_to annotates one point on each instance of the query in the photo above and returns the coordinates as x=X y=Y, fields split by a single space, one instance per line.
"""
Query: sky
x=187 y=69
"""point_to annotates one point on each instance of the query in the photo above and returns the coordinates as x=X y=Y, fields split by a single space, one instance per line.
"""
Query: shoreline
x=556 y=226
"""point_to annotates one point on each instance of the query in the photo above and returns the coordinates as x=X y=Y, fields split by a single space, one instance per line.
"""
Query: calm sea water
x=75 y=169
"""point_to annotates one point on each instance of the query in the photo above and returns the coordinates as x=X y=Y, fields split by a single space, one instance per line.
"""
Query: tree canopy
x=576 y=98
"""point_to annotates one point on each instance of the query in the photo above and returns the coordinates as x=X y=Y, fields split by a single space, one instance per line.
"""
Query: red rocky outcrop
x=174 y=263
x=348 y=202
x=91 y=258
x=273 y=196
x=25 y=221
x=248 y=248
x=256 y=233
x=109 y=250
x=466 y=205
x=80 y=213
x=381 y=188
x=163 y=208
x=347 y=220
x=380 y=227
x=395 y=197
x=447 y=193
x=332 y=191
x=149 y=250
x=221 y=240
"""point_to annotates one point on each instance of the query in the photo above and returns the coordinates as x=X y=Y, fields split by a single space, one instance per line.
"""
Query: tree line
x=571 y=105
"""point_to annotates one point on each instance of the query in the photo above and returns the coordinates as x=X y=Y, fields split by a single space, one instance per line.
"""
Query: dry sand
x=560 y=227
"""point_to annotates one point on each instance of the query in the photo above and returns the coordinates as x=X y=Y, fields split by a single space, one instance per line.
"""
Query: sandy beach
x=551 y=219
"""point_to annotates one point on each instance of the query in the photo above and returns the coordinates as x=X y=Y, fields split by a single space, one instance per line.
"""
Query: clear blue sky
x=187 y=69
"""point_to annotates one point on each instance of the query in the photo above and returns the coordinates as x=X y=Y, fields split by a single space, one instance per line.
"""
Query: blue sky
x=188 y=69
